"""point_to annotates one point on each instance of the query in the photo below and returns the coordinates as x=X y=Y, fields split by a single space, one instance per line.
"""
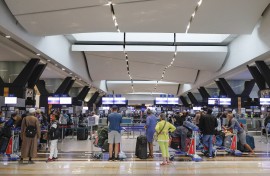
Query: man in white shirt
x=95 y=127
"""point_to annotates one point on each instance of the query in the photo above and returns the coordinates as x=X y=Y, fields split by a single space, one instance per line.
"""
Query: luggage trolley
x=192 y=147
x=230 y=144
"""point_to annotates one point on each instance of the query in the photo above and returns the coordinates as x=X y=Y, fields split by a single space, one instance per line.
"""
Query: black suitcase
x=82 y=133
x=141 y=147
x=3 y=144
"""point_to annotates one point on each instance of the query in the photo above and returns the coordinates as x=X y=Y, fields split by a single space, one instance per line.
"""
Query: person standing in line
x=207 y=125
x=54 y=134
x=151 y=122
x=95 y=127
x=162 y=129
x=30 y=133
x=114 y=135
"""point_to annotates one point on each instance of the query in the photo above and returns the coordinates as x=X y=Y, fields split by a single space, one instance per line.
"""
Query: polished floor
x=75 y=157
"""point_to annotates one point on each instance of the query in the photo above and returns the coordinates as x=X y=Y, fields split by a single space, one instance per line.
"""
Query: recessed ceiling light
x=38 y=54
x=48 y=60
x=63 y=69
x=80 y=79
x=70 y=73
x=8 y=36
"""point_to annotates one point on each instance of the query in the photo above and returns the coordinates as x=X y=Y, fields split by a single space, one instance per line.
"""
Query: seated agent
x=114 y=135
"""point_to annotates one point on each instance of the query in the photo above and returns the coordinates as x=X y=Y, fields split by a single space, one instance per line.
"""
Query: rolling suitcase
x=250 y=142
x=82 y=133
x=141 y=147
x=3 y=144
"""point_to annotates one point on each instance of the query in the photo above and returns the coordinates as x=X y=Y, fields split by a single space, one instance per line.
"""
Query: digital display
x=119 y=100
x=213 y=101
x=248 y=110
x=264 y=101
x=107 y=100
x=161 y=100
x=65 y=100
x=53 y=100
x=10 y=100
x=85 y=108
x=173 y=100
x=197 y=108
x=225 y=101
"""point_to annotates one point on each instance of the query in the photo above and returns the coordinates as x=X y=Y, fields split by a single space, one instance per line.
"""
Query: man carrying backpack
x=30 y=133
x=54 y=134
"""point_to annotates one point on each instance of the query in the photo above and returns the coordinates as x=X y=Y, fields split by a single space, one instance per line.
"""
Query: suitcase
x=3 y=144
x=141 y=147
x=82 y=133
x=175 y=142
x=250 y=142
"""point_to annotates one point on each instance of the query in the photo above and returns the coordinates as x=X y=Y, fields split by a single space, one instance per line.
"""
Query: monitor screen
x=225 y=101
x=119 y=100
x=197 y=108
x=173 y=100
x=65 y=100
x=85 y=108
x=10 y=100
x=53 y=100
x=161 y=100
x=107 y=100
x=213 y=101
x=264 y=101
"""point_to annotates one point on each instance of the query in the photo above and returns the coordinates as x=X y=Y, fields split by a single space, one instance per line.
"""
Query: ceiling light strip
x=174 y=43
x=124 y=46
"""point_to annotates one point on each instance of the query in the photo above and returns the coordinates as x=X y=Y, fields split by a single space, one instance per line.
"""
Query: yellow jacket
x=164 y=135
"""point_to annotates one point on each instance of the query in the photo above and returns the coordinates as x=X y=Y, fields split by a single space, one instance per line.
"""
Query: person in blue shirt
x=114 y=133
x=151 y=122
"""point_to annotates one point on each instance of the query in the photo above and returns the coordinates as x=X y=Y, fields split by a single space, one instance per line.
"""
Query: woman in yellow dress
x=162 y=130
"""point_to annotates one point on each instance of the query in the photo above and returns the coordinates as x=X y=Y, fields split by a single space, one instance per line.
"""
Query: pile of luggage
x=102 y=139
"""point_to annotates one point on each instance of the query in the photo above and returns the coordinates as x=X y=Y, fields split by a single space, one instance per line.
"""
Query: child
x=53 y=136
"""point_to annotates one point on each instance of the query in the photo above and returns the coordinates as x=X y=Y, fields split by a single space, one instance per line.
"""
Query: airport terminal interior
x=77 y=61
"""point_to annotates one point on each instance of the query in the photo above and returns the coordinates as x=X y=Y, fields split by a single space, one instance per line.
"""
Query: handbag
x=156 y=134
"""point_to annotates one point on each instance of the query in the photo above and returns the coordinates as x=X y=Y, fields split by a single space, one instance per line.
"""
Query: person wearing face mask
x=162 y=130
x=241 y=134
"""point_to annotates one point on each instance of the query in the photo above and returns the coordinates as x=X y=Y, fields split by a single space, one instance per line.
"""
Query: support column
x=192 y=98
x=184 y=101
x=259 y=79
x=265 y=71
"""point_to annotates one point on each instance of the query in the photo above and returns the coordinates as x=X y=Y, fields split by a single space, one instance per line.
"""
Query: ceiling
x=143 y=18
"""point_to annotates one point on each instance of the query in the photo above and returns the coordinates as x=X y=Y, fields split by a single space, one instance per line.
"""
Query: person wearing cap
x=29 y=144
x=150 y=125
x=114 y=135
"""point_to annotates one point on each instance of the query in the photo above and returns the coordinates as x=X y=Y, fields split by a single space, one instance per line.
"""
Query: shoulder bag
x=156 y=134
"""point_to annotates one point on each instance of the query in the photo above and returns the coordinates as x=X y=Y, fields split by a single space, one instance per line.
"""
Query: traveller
x=207 y=125
x=114 y=135
x=151 y=122
x=53 y=134
x=30 y=133
x=241 y=134
x=162 y=130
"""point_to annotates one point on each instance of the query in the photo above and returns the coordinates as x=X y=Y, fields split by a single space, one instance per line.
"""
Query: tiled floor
x=75 y=158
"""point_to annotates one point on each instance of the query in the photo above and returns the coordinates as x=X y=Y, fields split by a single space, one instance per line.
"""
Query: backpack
x=54 y=133
x=31 y=131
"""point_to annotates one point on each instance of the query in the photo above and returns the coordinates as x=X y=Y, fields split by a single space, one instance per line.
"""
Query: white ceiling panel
x=126 y=88
x=102 y=68
x=201 y=59
x=228 y=16
x=155 y=16
x=19 y=7
x=92 y=19
x=50 y=72
x=180 y=75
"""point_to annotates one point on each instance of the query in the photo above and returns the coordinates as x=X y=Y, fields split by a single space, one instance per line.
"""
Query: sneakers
x=117 y=159
x=55 y=158
x=111 y=159
x=49 y=160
